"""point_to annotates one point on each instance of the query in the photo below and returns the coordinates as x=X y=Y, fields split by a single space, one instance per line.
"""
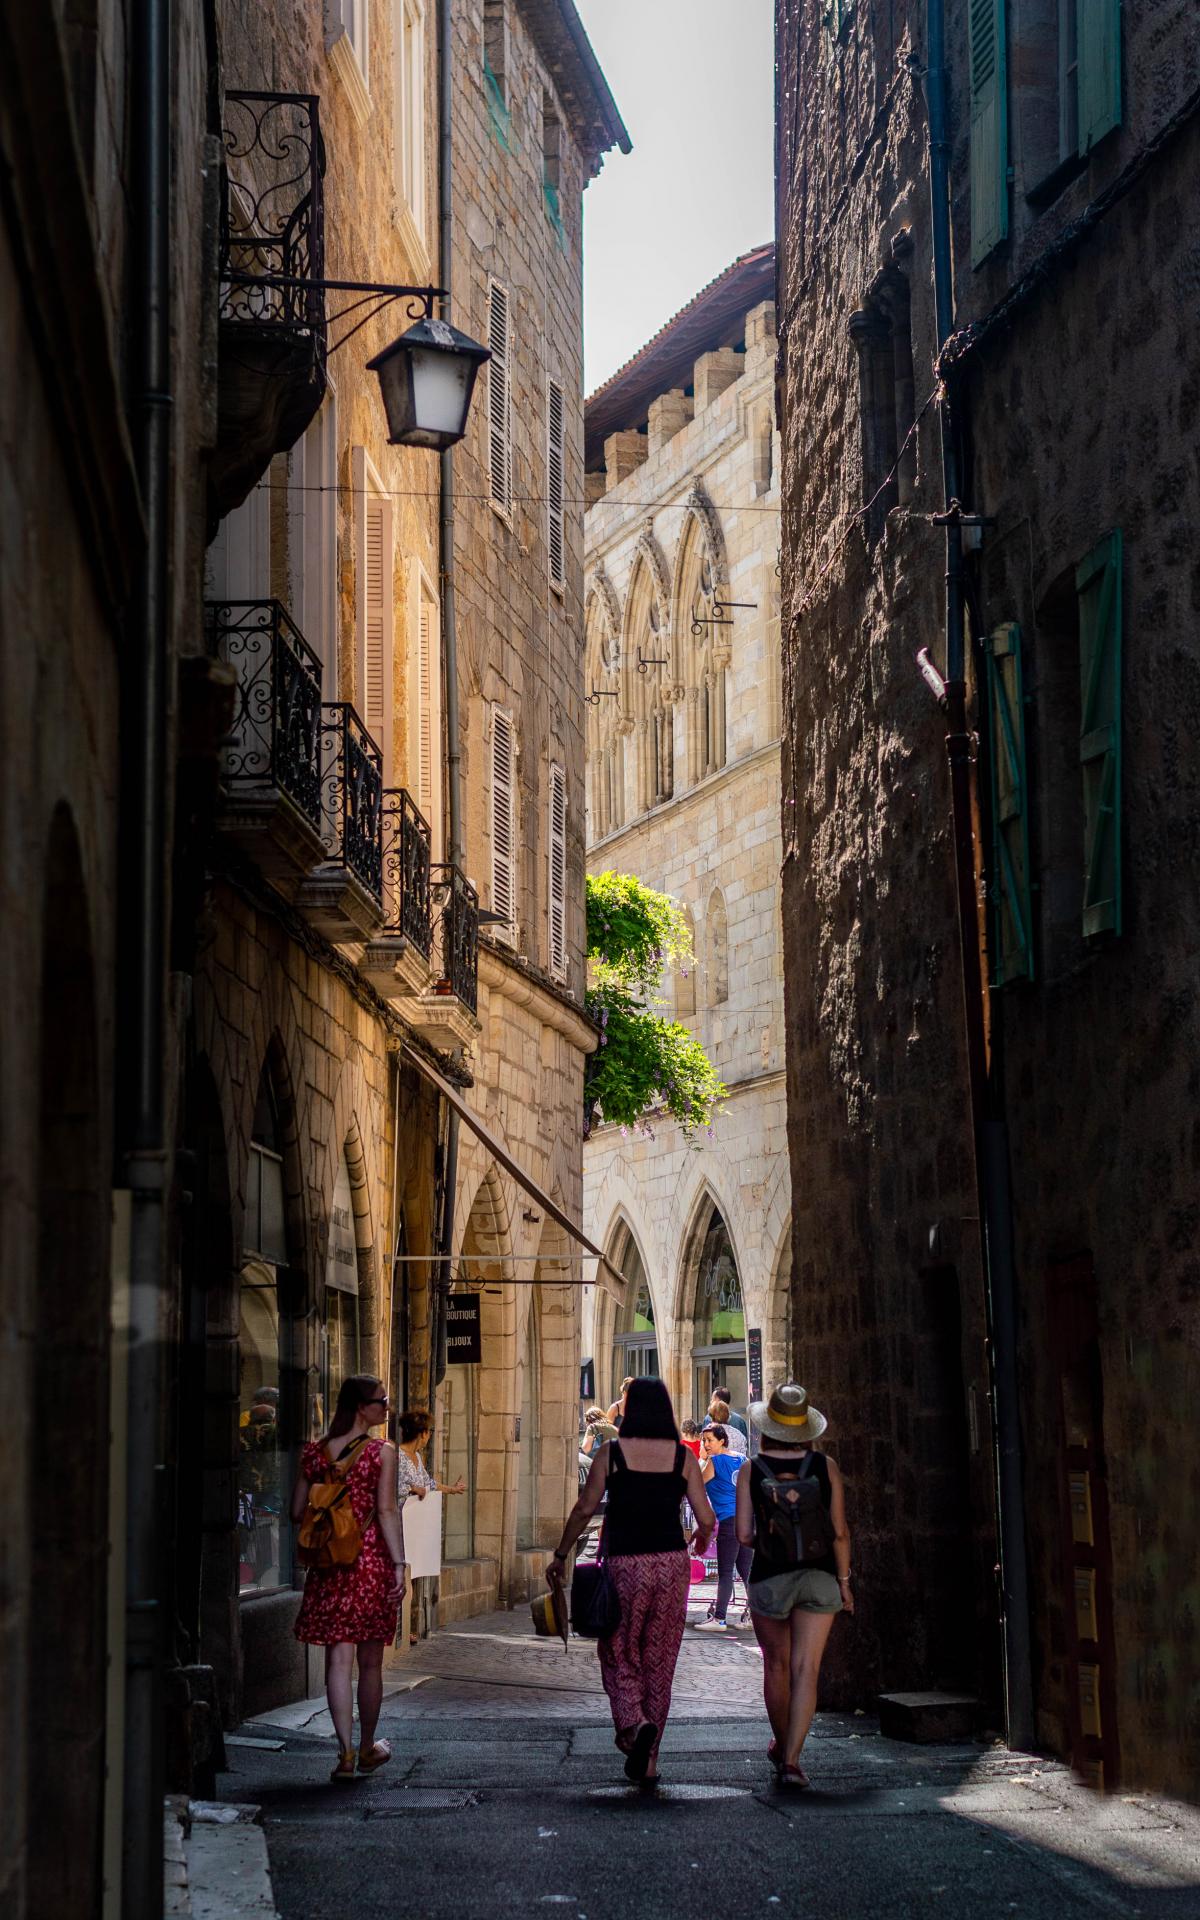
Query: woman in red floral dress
x=353 y=1609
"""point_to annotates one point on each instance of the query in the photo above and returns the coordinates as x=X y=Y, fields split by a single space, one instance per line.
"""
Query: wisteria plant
x=645 y=1064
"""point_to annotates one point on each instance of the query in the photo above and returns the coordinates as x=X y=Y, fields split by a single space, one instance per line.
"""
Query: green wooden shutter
x=1011 y=917
x=1098 y=584
x=1098 y=37
x=989 y=128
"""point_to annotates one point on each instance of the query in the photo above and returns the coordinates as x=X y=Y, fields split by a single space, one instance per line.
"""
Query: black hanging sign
x=754 y=1356
x=464 y=1331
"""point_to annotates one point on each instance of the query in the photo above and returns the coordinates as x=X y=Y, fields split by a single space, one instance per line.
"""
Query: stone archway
x=68 y=1500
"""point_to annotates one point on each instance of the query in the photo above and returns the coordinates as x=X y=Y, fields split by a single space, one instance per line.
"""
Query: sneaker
x=712 y=1626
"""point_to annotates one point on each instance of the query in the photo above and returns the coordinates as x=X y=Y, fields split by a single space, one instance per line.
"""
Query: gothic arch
x=701 y=580
x=605 y=730
x=647 y=675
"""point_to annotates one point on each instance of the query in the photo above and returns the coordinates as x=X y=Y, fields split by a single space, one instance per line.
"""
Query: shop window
x=264 y=1536
x=343 y=1331
x=458 y=1461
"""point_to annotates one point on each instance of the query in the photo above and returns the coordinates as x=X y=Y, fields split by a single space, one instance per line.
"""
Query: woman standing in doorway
x=648 y=1472
x=414 y=1479
x=722 y=1471
x=352 y=1609
x=791 y=1508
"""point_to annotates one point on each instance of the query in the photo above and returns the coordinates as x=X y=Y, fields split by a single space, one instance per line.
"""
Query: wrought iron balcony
x=271 y=298
x=459 y=936
x=343 y=897
x=406 y=871
x=352 y=796
x=272 y=213
x=271 y=769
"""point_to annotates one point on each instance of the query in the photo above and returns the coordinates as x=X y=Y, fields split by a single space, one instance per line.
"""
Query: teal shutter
x=1098 y=37
x=989 y=128
x=1098 y=584
x=1011 y=917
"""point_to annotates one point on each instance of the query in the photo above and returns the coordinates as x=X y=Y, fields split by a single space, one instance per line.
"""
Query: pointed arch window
x=605 y=721
x=685 y=975
x=647 y=666
x=706 y=654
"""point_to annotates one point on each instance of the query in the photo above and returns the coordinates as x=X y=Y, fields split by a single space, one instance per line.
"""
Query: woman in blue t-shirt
x=720 y=1470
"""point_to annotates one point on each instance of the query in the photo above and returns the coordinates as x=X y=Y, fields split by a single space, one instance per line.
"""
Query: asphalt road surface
x=505 y=1797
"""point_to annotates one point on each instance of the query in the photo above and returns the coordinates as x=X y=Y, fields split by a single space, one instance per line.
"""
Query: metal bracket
x=375 y=294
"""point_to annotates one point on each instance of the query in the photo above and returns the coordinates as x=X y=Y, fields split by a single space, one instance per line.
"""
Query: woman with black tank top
x=791 y=1508
x=648 y=1473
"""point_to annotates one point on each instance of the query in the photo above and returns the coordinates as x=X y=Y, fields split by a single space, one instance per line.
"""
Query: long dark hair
x=648 y=1414
x=356 y=1390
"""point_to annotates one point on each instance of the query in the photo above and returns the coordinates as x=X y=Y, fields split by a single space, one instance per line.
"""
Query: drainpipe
x=142 y=1130
x=987 y=1115
x=438 y=1317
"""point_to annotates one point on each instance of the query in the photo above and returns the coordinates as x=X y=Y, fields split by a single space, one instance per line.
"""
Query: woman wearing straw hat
x=791 y=1509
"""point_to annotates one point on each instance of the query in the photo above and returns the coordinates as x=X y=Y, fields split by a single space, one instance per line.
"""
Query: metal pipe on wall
x=987 y=1117
x=141 y=1121
x=437 y=1355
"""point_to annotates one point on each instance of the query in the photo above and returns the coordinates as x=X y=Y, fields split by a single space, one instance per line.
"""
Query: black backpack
x=793 y=1525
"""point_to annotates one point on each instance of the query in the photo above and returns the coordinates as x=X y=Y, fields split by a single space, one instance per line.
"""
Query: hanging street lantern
x=427 y=378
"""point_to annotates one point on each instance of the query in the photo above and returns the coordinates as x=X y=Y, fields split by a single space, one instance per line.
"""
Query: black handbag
x=595 y=1602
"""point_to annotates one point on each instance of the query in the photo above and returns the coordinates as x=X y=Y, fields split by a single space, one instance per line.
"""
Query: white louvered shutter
x=558 y=871
x=374 y=648
x=504 y=833
x=425 y=711
x=499 y=401
x=555 y=533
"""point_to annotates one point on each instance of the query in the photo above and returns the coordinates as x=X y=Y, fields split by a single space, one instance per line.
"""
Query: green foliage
x=645 y=1062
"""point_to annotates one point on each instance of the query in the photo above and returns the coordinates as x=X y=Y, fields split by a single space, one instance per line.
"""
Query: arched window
x=685 y=974
x=716 y=955
x=605 y=719
x=646 y=673
x=704 y=633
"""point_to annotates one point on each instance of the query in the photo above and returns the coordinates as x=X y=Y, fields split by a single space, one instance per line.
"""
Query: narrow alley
x=505 y=1797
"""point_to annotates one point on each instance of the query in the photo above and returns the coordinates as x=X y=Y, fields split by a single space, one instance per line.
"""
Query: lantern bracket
x=375 y=295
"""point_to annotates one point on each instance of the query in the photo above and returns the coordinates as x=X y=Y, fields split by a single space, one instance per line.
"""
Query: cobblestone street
x=505 y=1797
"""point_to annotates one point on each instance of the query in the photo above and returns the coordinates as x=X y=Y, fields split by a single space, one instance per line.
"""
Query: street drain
x=684 y=1792
x=421 y=1800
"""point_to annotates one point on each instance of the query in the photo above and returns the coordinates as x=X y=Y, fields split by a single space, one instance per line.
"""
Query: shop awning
x=607 y=1275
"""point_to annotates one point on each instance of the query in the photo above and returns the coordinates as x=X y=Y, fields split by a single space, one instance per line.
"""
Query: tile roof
x=667 y=358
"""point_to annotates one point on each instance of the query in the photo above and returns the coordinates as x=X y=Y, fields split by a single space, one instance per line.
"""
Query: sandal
x=640 y=1749
x=793 y=1777
x=370 y=1759
x=344 y=1769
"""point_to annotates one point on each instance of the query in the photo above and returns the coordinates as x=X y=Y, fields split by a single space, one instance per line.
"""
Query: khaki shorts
x=803 y=1589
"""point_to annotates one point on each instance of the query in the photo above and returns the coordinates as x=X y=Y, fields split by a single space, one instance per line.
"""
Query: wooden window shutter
x=499 y=401
x=1098 y=584
x=556 y=529
x=989 y=128
x=375 y=637
x=1011 y=918
x=1098 y=37
x=504 y=833
x=558 y=871
x=427 y=669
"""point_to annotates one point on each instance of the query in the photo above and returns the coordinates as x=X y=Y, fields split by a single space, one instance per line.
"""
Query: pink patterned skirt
x=637 y=1662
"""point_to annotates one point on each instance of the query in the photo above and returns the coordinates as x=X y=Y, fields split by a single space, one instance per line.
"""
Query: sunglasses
x=379 y=1400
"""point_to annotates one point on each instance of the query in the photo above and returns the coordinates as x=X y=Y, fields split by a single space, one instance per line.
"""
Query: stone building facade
x=1071 y=380
x=681 y=671
x=227 y=858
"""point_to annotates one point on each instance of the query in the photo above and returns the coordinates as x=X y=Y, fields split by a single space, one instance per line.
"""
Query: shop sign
x=754 y=1360
x=341 y=1262
x=464 y=1330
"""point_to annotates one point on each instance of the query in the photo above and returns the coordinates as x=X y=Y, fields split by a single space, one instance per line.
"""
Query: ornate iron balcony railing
x=275 y=737
x=352 y=796
x=459 y=935
x=406 y=870
x=272 y=212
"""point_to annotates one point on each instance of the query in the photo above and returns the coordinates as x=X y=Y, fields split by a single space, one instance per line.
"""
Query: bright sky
x=694 y=83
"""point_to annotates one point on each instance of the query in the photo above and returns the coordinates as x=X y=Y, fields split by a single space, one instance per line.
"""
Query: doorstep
x=215 y=1863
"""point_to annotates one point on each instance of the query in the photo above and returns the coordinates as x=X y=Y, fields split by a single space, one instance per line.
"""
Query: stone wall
x=713 y=846
x=1078 y=407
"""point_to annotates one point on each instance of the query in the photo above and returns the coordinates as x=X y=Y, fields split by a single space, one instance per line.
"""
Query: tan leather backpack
x=330 y=1535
